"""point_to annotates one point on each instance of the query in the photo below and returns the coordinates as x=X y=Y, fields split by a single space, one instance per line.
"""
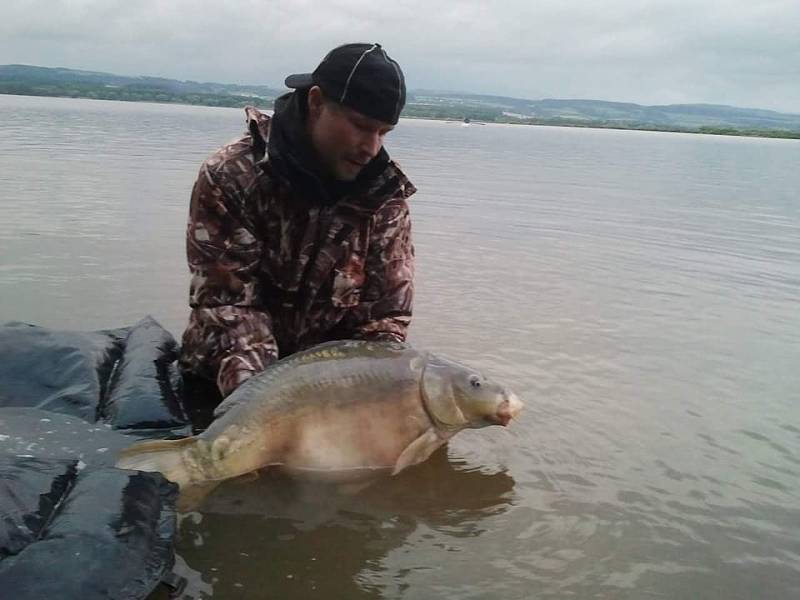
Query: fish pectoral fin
x=419 y=450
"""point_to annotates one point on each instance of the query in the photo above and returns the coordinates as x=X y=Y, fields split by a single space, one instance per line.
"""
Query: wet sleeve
x=384 y=311
x=229 y=337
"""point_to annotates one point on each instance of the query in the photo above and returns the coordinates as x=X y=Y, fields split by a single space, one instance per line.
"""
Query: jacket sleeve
x=384 y=311
x=229 y=336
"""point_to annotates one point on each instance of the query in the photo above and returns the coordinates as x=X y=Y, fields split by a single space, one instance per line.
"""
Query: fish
x=343 y=412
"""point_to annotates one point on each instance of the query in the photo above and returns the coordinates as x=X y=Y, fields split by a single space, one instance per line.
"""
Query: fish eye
x=475 y=381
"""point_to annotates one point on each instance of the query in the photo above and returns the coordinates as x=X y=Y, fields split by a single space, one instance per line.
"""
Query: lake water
x=639 y=290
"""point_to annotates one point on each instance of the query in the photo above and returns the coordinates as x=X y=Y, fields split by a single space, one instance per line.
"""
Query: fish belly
x=356 y=442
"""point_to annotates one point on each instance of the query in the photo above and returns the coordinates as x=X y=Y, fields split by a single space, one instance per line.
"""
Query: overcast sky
x=739 y=52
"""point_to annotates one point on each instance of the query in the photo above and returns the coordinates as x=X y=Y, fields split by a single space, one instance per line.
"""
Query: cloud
x=658 y=51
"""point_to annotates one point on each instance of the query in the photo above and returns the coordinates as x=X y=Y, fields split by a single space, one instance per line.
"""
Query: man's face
x=345 y=140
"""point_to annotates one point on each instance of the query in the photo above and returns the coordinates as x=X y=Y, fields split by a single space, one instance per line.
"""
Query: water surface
x=640 y=291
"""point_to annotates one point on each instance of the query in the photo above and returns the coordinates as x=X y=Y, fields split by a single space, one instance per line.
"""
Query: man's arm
x=229 y=336
x=384 y=311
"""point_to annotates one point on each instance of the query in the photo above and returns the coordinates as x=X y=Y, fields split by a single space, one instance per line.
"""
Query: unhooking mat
x=72 y=525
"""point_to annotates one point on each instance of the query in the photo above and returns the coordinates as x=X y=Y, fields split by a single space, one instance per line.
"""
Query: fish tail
x=164 y=456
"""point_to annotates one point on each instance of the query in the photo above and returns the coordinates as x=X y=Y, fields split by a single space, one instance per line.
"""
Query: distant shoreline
x=595 y=125
x=231 y=101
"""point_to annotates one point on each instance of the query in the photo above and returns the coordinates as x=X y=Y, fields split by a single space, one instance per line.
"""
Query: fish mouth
x=507 y=410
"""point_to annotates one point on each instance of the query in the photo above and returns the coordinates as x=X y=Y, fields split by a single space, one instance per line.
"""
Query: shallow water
x=639 y=290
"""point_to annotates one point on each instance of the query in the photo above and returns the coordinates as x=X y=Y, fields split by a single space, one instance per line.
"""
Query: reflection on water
x=638 y=290
x=312 y=541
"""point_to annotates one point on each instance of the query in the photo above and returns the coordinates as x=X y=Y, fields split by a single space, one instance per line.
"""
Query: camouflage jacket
x=275 y=270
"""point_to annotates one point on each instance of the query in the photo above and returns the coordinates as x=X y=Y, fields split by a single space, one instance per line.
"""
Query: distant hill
x=609 y=114
x=699 y=118
x=45 y=81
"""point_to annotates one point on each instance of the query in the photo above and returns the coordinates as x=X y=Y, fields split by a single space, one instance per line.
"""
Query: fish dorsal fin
x=228 y=403
x=419 y=450
x=337 y=349
x=241 y=395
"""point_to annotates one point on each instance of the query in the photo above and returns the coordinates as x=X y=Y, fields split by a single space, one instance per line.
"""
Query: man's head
x=355 y=96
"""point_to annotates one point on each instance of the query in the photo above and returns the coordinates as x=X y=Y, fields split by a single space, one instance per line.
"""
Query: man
x=299 y=232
